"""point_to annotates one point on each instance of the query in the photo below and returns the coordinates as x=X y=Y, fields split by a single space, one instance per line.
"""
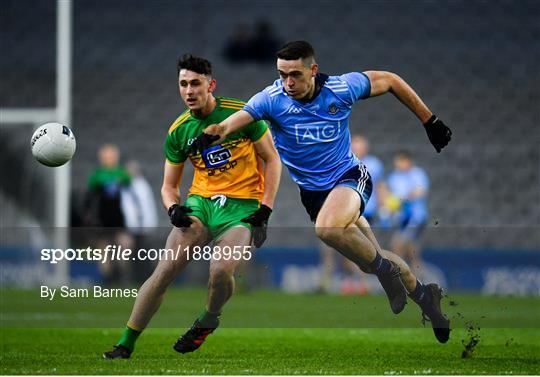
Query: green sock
x=129 y=337
x=209 y=320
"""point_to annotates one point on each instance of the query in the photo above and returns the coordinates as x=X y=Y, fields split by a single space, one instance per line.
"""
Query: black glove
x=202 y=142
x=179 y=217
x=259 y=221
x=439 y=135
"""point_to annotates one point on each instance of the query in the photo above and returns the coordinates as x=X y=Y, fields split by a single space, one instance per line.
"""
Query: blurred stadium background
x=474 y=62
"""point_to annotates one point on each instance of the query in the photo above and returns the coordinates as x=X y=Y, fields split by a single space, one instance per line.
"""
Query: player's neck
x=313 y=91
x=207 y=109
x=309 y=96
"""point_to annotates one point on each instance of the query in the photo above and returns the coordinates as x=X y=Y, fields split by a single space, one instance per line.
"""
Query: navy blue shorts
x=356 y=178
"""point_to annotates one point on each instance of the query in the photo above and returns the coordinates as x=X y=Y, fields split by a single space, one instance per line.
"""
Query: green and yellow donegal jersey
x=231 y=168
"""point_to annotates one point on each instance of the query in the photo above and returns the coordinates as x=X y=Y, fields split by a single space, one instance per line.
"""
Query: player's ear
x=314 y=69
x=212 y=86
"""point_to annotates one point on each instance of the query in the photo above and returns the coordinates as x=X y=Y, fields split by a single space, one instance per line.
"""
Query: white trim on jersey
x=342 y=85
x=274 y=90
x=338 y=87
x=334 y=79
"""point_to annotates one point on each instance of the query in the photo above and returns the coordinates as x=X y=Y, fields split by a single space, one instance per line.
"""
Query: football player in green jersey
x=229 y=202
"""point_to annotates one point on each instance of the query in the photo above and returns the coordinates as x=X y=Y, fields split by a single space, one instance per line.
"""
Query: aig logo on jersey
x=317 y=132
x=216 y=156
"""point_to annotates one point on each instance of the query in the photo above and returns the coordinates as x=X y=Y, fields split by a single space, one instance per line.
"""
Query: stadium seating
x=481 y=79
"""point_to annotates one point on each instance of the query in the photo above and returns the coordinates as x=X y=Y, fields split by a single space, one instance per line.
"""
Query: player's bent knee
x=329 y=221
x=220 y=275
x=164 y=275
x=330 y=235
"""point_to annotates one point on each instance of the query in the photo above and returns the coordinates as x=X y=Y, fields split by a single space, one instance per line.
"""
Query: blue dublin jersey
x=402 y=184
x=376 y=170
x=313 y=138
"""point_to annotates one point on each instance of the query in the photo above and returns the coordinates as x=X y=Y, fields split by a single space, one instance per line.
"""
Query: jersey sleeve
x=395 y=185
x=173 y=152
x=378 y=170
x=258 y=106
x=421 y=179
x=125 y=177
x=93 y=181
x=359 y=85
x=256 y=130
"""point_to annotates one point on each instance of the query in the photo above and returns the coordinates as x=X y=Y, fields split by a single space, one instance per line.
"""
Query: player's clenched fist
x=438 y=133
x=210 y=135
x=179 y=216
x=203 y=141
x=259 y=221
x=214 y=129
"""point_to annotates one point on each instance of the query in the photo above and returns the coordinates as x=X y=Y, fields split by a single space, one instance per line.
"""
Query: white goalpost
x=61 y=113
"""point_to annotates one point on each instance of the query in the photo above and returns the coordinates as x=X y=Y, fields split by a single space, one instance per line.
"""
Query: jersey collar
x=218 y=104
x=320 y=80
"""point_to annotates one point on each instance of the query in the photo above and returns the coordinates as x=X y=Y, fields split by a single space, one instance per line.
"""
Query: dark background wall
x=475 y=63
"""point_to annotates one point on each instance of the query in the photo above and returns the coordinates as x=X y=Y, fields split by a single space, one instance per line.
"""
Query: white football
x=53 y=144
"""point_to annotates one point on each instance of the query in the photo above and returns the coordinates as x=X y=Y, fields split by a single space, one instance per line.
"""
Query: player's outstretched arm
x=215 y=133
x=172 y=177
x=272 y=168
x=272 y=174
x=383 y=82
x=233 y=123
x=170 y=195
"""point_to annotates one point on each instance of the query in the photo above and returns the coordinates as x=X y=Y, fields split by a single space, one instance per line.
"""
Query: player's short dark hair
x=193 y=63
x=406 y=155
x=297 y=50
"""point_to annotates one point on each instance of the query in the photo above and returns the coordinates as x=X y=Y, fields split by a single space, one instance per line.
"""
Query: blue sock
x=380 y=265
x=420 y=295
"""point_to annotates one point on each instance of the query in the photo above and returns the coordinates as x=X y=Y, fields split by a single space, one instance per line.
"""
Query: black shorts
x=356 y=178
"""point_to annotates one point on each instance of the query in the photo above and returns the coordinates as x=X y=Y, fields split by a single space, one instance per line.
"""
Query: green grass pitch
x=271 y=333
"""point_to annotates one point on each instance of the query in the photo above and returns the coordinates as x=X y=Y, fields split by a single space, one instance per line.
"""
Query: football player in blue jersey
x=360 y=147
x=409 y=183
x=309 y=114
